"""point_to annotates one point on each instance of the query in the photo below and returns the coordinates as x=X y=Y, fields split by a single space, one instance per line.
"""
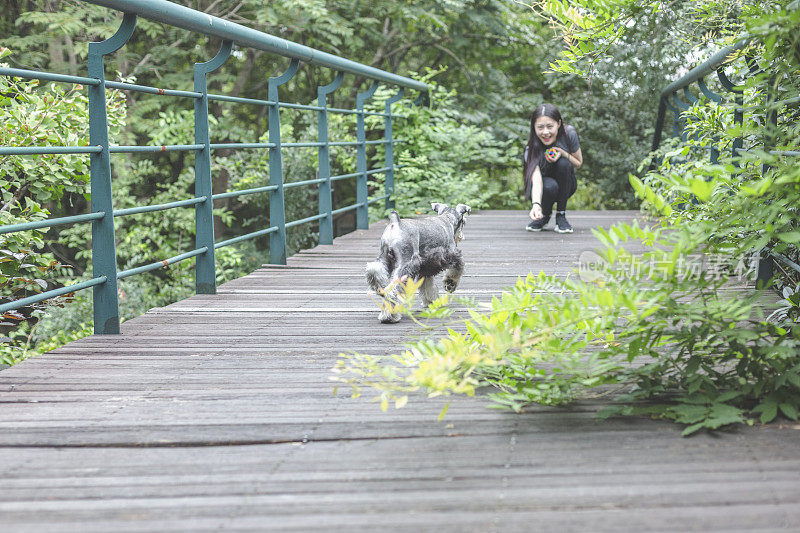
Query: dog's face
x=460 y=213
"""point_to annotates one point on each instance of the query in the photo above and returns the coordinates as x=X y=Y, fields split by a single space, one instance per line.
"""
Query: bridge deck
x=217 y=413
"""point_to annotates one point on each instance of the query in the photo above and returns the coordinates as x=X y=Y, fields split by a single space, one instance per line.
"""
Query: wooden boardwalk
x=217 y=412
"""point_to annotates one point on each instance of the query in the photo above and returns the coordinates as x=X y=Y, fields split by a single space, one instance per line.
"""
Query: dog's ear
x=462 y=209
x=439 y=208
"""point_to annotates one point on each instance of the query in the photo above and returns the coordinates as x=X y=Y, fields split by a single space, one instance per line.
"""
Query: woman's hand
x=536 y=212
x=556 y=153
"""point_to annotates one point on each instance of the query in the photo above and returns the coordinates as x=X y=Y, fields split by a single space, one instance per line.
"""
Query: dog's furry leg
x=411 y=268
x=386 y=317
x=428 y=291
x=404 y=269
x=390 y=298
x=385 y=285
x=455 y=268
x=377 y=275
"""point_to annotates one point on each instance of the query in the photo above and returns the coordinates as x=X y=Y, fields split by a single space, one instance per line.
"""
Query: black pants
x=558 y=184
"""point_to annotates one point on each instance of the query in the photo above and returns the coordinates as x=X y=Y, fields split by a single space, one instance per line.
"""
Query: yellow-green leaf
x=702 y=189
x=790 y=237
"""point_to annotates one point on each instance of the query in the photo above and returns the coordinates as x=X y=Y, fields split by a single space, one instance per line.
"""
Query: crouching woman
x=551 y=157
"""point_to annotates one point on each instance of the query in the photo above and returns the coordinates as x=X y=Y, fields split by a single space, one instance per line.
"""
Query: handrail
x=697 y=74
x=102 y=213
x=705 y=68
x=16 y=304
x=189 y=19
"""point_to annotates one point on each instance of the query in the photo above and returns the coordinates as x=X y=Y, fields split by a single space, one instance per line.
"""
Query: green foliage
x=444 y=157
x=494 y=55
x=789 y=305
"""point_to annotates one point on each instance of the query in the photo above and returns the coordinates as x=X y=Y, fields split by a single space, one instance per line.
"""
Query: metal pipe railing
x=346 y=209
x=50 y=222
x=44 y=150
x=46 y=76
x=189 y=19
x=233 y=194
x=22 y=302
x=158 y=207
x=705 y=68
x=151 y=90
x=248 y=236
x=697 y=74
x=160 y=264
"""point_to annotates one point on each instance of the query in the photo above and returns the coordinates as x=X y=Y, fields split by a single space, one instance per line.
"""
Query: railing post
x=325 y=191
x=362 y=212
x=277 y=216
x=714 y=97
x=689 y=96
x=389 y=152
x=766 y=263
x=663 y=104
x=205 y=275
x=771 y=124
x=738 y=112
x=711 y=95
x=738 y=119
x=682 y=106
x=676 y=118
x=104 y=253
x=662 y=112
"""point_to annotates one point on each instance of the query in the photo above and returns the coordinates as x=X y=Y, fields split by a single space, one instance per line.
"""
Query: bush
x=445 y=158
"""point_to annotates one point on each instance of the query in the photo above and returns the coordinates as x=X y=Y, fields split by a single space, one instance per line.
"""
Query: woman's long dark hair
x=535 y=146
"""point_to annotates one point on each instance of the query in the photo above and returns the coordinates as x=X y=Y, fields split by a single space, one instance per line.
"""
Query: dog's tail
x=377 y=275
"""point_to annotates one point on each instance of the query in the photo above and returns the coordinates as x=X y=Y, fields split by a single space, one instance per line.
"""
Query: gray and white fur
x=419 y=248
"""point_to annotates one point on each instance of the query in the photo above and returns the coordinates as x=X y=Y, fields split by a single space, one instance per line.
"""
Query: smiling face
x=546 y=129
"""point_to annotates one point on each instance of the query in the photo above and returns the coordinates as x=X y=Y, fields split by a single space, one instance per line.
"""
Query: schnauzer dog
x=418 y=248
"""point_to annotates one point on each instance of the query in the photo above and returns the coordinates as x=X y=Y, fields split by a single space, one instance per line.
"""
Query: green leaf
x=692 y=429
x=692 y=365
x=610 y=410
x=769 y=410
x=702 y=189
x=688 y=414
x=790 y=237
x=723 y=415
x=789 y=410
x=727 y=396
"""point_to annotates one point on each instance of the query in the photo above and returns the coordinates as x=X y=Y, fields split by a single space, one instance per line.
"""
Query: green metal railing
x=671 y=100
x=105 y=273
